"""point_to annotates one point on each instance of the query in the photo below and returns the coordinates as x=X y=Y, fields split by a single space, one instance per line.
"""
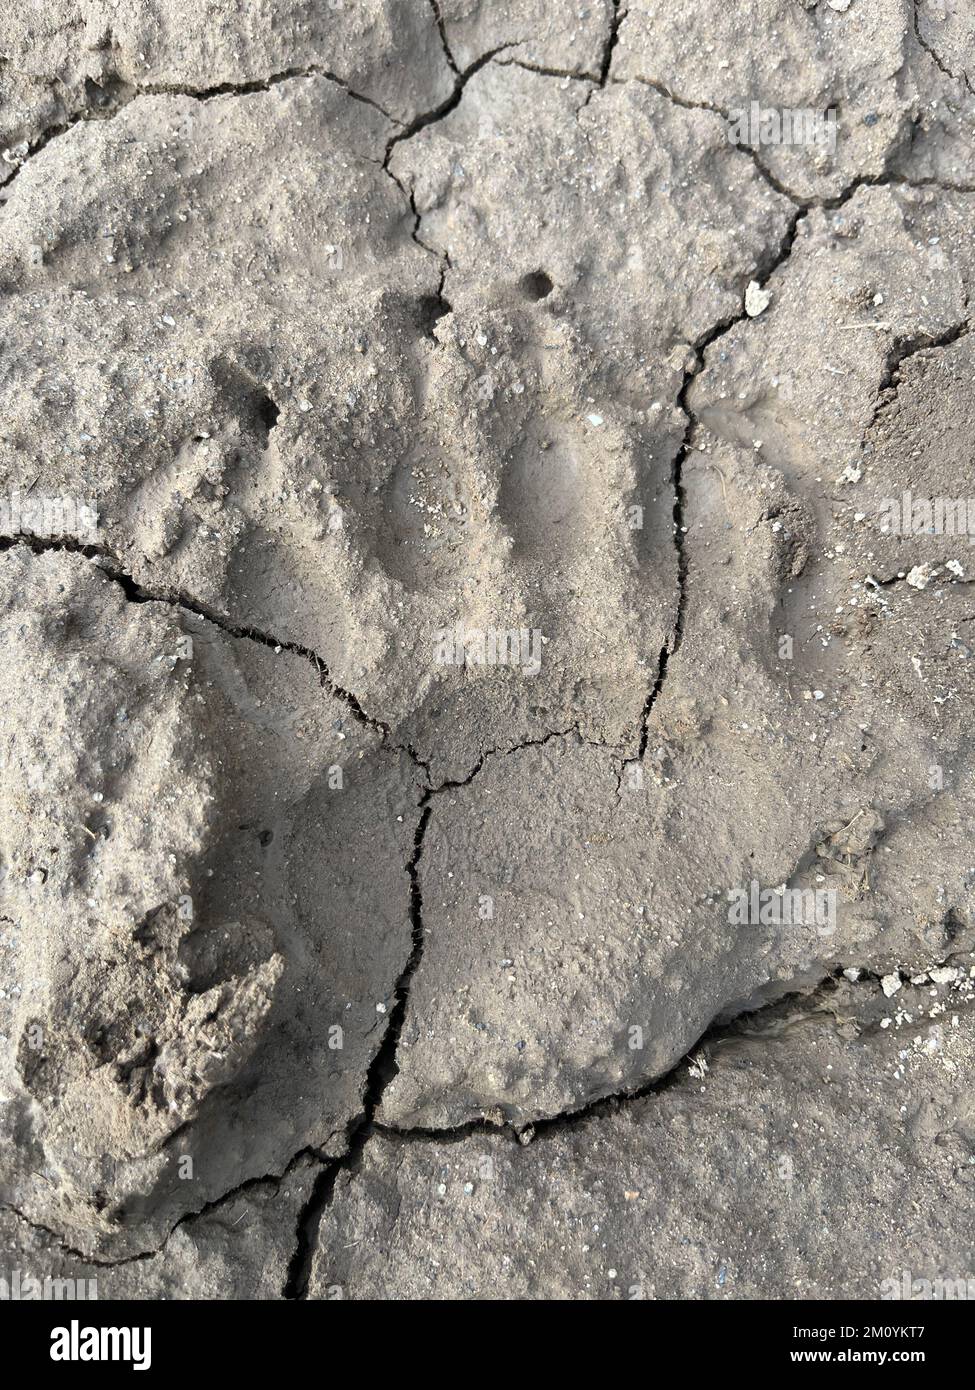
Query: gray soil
x=333 y=969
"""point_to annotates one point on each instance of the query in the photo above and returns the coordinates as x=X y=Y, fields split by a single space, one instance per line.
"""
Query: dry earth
x=452 y=603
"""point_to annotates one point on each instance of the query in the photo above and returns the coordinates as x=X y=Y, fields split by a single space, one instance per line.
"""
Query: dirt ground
x=486 y=766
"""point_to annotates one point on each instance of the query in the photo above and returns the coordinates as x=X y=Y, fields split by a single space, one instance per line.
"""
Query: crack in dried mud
x=381 y=1071
x=934 y=56
x=442 y=30
x=125 y=95
x=110 y=565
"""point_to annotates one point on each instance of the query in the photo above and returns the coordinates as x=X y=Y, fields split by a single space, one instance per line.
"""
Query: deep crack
x=815 y=996
x=442 y=30
x=382 y=1070
x=614 y=33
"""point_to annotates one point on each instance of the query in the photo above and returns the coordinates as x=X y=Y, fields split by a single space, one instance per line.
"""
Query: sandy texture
x=446 y=564
x=737 y=1181
x=79 y=60
x=569 y=39
x=190 y=908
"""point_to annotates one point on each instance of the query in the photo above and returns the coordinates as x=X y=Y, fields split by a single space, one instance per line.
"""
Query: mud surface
x=485 y=549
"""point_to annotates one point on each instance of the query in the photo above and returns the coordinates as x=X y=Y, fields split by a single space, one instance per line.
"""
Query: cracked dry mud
x=332 y=969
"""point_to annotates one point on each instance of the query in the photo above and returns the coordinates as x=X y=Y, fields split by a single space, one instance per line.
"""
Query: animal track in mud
x=352 y=353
